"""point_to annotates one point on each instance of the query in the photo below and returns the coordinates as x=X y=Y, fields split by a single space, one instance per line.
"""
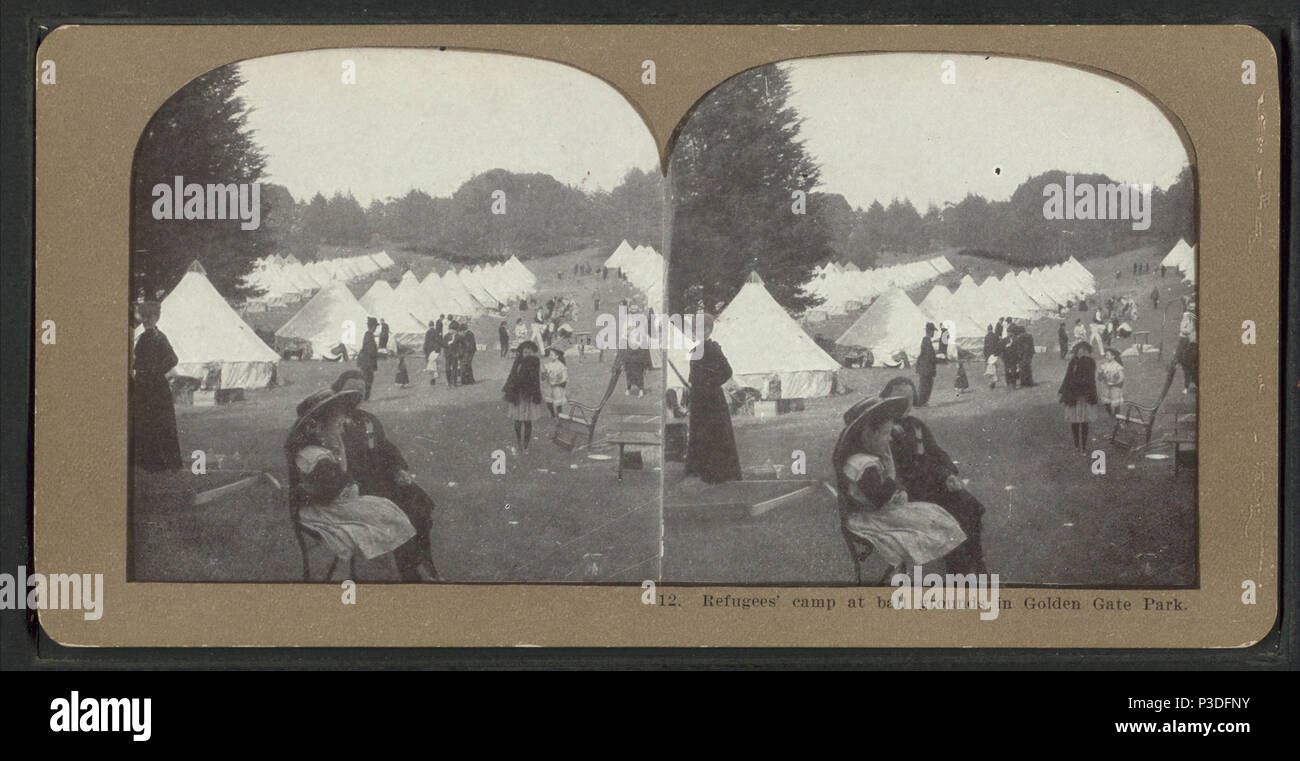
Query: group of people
x=452 y=343
x=1011 y=345
x=350 y=486
x=899 y=492
x=531 y=383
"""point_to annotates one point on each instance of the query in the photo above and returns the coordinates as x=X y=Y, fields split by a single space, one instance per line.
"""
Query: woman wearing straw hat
x=328 y=499
x=874 y=508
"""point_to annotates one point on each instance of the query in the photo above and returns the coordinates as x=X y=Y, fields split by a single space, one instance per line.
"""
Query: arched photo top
x=377 y=125
x=932 y=127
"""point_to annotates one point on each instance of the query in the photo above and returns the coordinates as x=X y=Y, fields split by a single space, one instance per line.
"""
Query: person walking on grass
x=523 y=393
x=503 y=337
x=1063 y=339
x=403 y=378
x=961 y=383
x=926 y=367
x=1078 y=393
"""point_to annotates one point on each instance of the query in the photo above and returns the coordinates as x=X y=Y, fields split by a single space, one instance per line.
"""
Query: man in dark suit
x=432 y=345
x=926 y=367
x=368 y=357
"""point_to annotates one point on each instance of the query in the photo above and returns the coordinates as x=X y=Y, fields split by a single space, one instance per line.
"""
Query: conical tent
x=464 y=301
x=404 y=326
x=333 y=316
x=203 y=330
x=935 y=301
x=377 y=289
x=762 y=342
x=891 y=324
x=619 y=257
x=1179 y=256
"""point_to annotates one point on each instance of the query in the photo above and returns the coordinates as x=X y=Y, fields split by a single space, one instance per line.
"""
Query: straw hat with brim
x=872 y=410
x=323 y=401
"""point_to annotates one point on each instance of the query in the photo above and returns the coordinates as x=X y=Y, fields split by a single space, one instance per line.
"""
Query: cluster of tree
x=490 y=216
x=199 y=134
x=1016 y=230
x=733 y=170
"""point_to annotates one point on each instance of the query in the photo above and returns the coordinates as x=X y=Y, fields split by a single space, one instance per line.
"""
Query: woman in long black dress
x=153 y=431
x=711 y=449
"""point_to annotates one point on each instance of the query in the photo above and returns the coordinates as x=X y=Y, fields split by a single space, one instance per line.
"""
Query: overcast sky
x=432 y=119
x=885 y=126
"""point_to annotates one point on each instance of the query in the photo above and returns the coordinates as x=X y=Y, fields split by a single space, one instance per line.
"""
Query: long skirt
x=154 y=440
x=910 y=533
x=353 y=524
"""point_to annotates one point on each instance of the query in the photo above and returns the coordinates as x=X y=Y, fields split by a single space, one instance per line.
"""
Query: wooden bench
x=630 y=424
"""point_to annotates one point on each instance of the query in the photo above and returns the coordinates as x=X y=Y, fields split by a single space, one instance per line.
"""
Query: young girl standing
x=1078 y=393
x=523 y=391
x=962 y=382
x=1111 y=374
x=556 y=375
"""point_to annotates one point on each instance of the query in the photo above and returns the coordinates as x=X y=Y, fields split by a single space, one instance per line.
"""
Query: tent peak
x=754 y=278
x=196 y=267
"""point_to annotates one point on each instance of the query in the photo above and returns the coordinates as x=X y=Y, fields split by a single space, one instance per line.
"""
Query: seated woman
x=928 y=474
x=328 y=499
x=874 y=508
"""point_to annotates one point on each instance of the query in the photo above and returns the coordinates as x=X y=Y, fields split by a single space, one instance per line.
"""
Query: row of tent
x=846 y=287
x=644 y=269
x=1182 y=257
x=894 y=324
x=329 y=317
x=284 y=279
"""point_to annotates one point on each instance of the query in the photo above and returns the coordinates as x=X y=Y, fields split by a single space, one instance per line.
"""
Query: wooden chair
x=1131 y=422
x=578 y=421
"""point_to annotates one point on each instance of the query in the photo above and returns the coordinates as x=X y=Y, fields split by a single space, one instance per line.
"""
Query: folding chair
x=1131 y=422
x=578 y=420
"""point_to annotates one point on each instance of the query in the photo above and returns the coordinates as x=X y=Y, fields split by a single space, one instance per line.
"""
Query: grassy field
x=546 y=519
x=555 y=514
x=1049 y=519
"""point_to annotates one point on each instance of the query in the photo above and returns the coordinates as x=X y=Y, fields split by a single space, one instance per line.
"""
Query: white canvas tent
x=377 y=289
x=891 y=324
x=333 y=316
x=761 y=342
x=203 y=330
x=1181 y=256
